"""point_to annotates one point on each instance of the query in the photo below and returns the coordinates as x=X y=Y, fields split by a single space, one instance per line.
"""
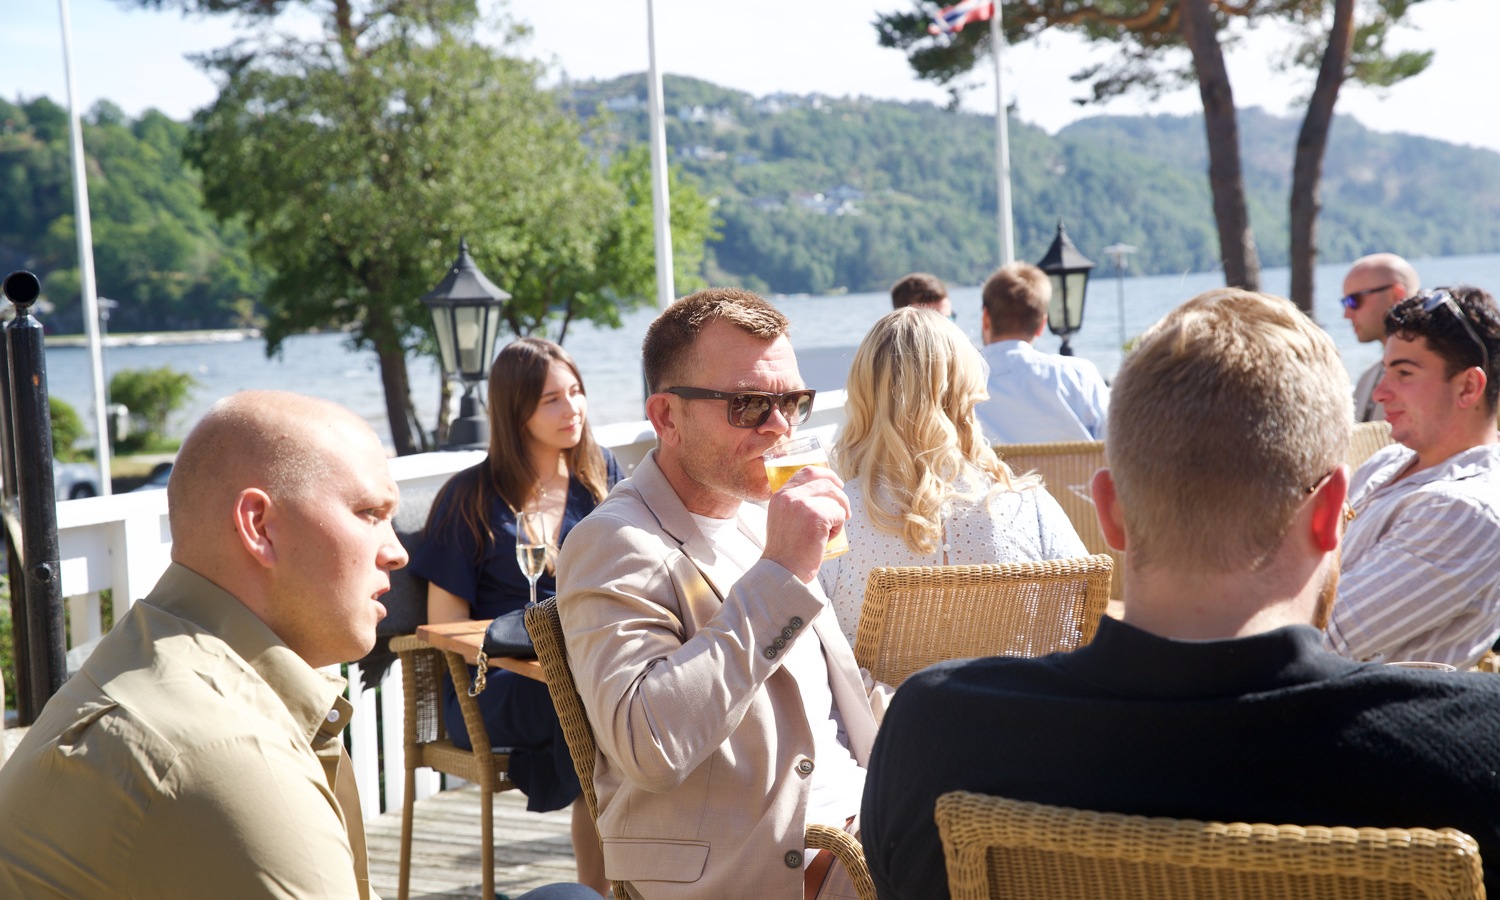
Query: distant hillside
x=819 y=193
x=814 y=195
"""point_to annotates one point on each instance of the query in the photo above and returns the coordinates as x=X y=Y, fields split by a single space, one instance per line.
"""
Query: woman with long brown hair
x=543 y=463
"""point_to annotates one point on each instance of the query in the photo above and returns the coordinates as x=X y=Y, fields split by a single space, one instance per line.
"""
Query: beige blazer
x=704 y=748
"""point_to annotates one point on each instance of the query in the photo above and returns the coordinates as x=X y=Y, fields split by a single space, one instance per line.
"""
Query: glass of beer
x=783 y=461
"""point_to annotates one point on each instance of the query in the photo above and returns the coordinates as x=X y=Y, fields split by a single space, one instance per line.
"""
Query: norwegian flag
x=952 y=19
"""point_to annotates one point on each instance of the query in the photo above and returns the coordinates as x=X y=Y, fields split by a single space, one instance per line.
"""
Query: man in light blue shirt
x=1035 y=397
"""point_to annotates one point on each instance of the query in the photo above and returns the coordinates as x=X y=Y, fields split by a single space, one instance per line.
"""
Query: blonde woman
x=924 y=487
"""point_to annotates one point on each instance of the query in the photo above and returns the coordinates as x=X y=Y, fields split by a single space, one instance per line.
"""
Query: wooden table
x=465 y=638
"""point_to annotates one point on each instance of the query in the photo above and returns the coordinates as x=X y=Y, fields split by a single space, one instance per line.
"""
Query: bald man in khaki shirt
x=198 y=752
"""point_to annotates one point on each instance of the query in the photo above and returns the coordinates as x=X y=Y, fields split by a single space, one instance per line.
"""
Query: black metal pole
x=46 y=649
x=9 y=531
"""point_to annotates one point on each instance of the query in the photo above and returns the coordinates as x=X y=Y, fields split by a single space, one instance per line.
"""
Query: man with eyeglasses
x=1034 y=396
x=727 y=705
x=924 y=291
x=1375 y=283
x=1421 y=575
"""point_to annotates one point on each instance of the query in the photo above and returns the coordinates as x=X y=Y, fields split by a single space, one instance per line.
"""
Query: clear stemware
x=531 y=547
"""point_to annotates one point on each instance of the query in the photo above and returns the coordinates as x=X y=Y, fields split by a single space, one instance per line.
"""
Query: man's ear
x=253 y=512
x=663 y=416
x=984 y=325
x=1471 y=387
x=1328 y=505
x=1107 y=508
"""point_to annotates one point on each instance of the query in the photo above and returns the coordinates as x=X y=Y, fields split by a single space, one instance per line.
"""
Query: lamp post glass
x=466 y=322
x=1068 y=271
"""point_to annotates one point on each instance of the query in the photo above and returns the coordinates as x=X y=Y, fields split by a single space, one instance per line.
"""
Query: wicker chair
x=1366 y=439
x=1067 y=468
x=547 y=634
x=995 y=847
x=428 y=745
x=914 y=616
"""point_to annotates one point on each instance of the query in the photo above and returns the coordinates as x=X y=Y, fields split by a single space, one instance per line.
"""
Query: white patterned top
x=1015 y=526
x=1420 y=577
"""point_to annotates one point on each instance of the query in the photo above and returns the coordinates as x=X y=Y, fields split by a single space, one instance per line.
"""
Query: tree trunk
x=1231 y=214
x=393 y=378
x=1312 y=144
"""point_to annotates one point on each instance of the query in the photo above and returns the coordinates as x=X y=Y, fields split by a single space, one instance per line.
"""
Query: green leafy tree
x=152 y=396
x=358 y=161
x=1343 y=39
x=67 y=429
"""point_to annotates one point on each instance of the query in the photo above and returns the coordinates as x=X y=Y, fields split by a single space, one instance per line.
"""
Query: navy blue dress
x=518 y=711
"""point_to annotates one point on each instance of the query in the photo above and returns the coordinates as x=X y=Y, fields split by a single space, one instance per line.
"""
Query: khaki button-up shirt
x=194 y=755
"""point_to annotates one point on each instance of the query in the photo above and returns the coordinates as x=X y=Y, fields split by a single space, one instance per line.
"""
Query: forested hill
x=813 y=194
x=912 y=186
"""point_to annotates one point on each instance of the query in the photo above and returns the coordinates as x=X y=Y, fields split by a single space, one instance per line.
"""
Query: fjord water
x=324 y=366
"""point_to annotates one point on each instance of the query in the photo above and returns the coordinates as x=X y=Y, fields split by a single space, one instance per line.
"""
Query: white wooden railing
x=122 y=544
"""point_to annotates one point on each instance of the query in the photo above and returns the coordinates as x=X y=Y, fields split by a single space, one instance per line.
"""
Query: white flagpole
x=86 y=260
x=661 y=209
x=1002 y=147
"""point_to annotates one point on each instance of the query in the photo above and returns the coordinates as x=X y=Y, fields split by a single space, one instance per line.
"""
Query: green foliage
x=156 y=249
x=926 y=183
x=67 y=429
x=152 y=396
x=358 y=161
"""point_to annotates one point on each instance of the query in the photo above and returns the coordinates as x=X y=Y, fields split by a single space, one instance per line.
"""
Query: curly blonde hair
x=910 y=429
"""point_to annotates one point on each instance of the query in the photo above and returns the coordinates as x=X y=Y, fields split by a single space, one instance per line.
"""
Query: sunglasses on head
x=1352 y=301
x=1441 y=299
x=751 y=409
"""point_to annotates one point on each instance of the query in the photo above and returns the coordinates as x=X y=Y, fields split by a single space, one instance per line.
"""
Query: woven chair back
x=1366 y=439
x=1067 y=469
x=914 y=616
x=995 y=847
x=545 y=628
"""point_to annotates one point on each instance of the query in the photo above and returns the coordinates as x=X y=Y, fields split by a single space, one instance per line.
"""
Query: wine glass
x=531 y=547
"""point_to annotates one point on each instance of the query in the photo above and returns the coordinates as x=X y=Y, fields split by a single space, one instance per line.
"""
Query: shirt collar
x=1126 y=661
x=313 y=697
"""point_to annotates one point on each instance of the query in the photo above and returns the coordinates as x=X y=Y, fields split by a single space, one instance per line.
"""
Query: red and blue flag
x=952 y=19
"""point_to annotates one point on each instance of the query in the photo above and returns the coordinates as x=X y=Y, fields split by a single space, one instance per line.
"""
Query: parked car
x=72 y=481
x=157 y=481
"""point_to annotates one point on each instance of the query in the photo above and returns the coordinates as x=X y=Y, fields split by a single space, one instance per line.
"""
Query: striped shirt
x=1421 y=571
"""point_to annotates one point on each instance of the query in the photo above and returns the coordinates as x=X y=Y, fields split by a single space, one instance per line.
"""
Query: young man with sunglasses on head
x=726 y=703
x=1421 y=578
x=1375 y=283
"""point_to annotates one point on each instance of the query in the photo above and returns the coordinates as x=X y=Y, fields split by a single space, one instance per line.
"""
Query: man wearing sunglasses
x=727 y=706
x=1421 y=578
x=1375 y=283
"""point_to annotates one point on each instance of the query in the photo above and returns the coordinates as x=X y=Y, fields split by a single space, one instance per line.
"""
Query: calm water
x=324 y=366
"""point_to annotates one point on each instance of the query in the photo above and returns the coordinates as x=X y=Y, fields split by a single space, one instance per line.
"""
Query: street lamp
x=1117 y=253
x=1069 y=271
x=466 y=320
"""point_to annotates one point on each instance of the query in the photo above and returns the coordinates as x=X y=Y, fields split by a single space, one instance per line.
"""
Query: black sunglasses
x=1432 y=300
x=751 y=409
x=1352 y=301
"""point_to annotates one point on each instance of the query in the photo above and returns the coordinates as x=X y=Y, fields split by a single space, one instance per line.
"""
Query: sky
x=138 y=59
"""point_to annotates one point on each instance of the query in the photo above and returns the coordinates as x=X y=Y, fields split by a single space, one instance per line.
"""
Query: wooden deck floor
x=531 y=849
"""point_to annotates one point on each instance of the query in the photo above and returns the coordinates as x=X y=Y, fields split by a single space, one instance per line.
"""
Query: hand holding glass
x=784 y=461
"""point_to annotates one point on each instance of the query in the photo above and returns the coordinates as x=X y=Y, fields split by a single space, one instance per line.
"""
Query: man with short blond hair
x=1375 y=283
x=728 y=708
x=1213 y=698
x=1034 y=397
